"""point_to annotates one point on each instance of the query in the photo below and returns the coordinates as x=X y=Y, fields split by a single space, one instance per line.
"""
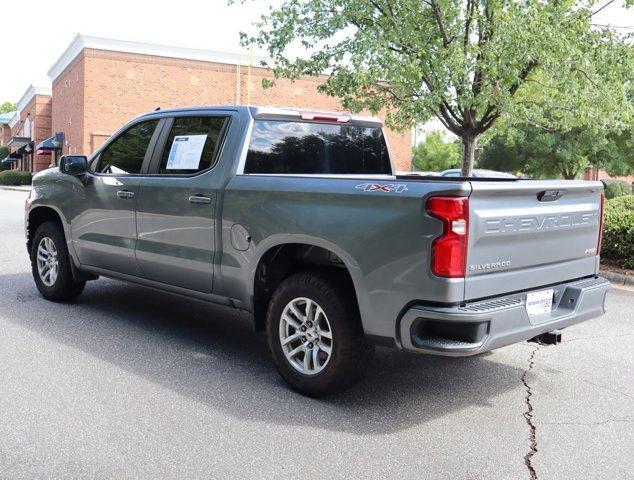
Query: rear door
x=526 y=234
x=104 y=232
x=177 y=202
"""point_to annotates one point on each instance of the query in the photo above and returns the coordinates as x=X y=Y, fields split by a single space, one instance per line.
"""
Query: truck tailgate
x=527 y=234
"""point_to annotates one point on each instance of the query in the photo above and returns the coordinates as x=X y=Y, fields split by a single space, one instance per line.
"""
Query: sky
x=37 y=32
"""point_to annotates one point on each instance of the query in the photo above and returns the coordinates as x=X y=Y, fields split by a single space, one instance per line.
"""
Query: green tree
x=467 y=63
x=7 y=107
x=436 y=155
x=615 y=155
x=545 y=153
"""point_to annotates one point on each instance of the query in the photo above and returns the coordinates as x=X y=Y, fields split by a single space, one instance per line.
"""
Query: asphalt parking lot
x=132 y=383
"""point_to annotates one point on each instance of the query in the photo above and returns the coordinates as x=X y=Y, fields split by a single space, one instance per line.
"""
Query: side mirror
x=76 y=165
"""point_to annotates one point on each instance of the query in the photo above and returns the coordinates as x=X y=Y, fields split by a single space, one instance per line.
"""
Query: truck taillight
x=601 y=224
x=449 y=250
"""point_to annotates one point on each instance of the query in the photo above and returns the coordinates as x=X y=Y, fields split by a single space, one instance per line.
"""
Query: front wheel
x=315 y=334
x=50 y=264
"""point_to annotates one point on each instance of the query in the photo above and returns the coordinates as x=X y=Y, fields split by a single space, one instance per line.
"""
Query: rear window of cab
x=294 y=147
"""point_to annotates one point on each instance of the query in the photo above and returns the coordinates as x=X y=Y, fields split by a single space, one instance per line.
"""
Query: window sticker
x=186 y=152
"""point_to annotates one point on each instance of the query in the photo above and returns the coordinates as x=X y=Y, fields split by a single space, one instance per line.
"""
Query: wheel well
x=37 y=217
x=282 y=261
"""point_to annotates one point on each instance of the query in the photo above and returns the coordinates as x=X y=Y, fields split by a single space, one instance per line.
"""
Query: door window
x=193 y=145
x=125 y=155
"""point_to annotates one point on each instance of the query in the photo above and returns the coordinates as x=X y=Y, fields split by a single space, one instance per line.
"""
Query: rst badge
x=382 y=187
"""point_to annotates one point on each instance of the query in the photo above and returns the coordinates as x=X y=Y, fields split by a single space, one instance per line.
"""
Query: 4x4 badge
x=382 y=187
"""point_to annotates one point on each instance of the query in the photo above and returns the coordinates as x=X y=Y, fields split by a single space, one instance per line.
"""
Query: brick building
x=29 y=126
x=593 y=173
x=99 y=84
x=5 y=129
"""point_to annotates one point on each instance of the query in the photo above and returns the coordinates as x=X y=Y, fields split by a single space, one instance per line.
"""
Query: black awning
x=25 y=149
x=12 y=157
x=50 y=143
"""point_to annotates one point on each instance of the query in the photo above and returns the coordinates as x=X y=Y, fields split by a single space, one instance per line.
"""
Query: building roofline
x=14 y=120
x=30 y=93
x=5 y=118
x=81 y=42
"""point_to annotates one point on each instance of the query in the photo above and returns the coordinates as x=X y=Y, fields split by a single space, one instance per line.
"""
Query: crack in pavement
x=528 y=416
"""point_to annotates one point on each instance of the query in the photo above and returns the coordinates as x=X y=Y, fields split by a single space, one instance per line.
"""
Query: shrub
x=618 y=231
x=617 y=189
x=25 y=178
x=10 y=177
x=15 y=177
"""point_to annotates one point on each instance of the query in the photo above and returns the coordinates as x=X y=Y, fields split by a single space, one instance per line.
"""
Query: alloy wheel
x=306 y=336
x=47 y=261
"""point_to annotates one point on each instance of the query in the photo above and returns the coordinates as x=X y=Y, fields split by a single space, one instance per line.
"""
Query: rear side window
x=192 y=145
x=126 y=153
x=316 y=148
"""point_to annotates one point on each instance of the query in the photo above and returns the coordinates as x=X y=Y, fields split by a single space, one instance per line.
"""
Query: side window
x=192 y=145
x=125 y=155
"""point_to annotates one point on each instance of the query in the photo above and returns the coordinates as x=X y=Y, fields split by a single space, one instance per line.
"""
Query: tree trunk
x=468 y=154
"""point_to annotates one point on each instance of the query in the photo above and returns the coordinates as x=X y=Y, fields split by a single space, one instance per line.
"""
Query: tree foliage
x=466 y=63
x=7 y=107
x=544 y=153
x=436 y=155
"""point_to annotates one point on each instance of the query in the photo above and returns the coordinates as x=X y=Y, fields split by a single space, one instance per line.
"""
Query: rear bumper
x=481 y=326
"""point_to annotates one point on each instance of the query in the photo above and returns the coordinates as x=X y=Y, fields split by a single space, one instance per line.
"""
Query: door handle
x=125 y=194
x=198 y=198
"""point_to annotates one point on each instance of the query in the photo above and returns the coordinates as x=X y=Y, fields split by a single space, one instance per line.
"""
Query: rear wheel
x=50 y=264
x=315 y=334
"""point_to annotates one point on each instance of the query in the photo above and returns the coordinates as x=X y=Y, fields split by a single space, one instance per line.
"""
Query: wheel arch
x=37 y=215
x=290 y=254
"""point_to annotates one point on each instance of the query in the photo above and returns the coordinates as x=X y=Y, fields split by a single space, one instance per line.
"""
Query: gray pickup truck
x=298 y=218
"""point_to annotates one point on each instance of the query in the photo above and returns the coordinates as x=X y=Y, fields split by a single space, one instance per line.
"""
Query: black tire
x=64 y=288
x=350 y=350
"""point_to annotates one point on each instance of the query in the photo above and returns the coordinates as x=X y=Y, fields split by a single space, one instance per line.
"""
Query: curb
x=16 y=188
x=618 y=279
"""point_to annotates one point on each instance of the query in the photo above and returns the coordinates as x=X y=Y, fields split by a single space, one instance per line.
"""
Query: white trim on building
x=29 y=94
x=83 y=41
x=14 y=120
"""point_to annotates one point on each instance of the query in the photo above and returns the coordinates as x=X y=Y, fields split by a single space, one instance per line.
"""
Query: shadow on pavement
x=212 y=355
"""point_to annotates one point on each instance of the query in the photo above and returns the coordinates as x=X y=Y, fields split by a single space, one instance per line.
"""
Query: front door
x=177 y=203
x=104 y=232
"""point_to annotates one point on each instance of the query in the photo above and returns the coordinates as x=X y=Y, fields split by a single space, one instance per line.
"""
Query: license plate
x=539 y=302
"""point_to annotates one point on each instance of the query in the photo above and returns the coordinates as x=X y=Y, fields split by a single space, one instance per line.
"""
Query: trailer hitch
x=548 y=338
